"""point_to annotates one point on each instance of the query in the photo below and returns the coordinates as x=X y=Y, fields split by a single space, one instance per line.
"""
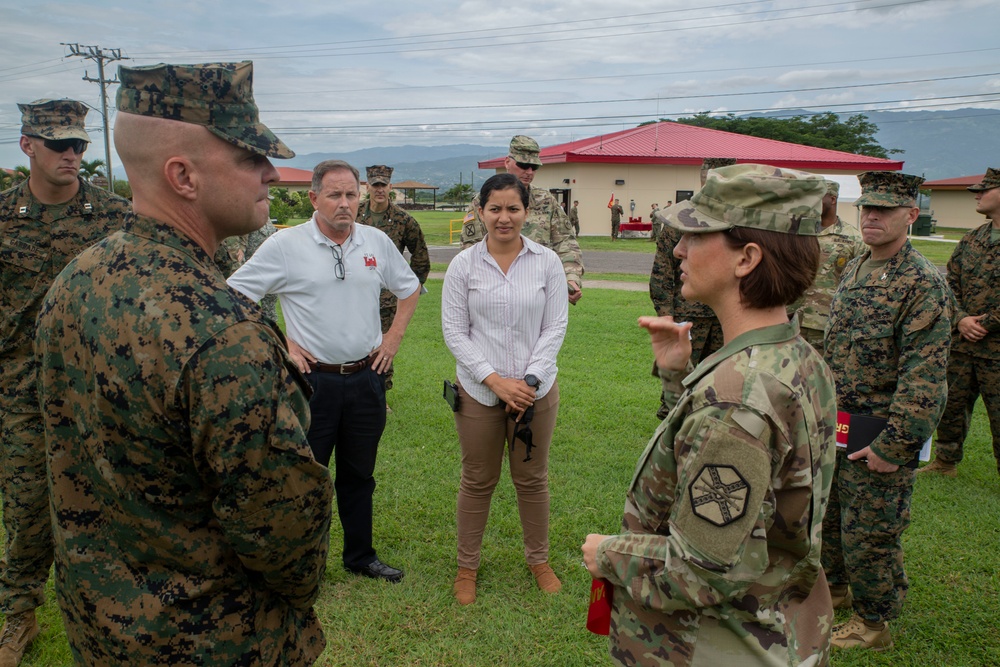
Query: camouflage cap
x=888 y=189
x=990 y=180
x=378 y=174
x=54 y=119
x=525 y=149
x=716 y=162
x=752 y=195
x=218 y=96
x=833 y=188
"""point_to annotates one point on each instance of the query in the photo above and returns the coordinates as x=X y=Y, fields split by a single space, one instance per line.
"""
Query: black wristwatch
x=531 y=381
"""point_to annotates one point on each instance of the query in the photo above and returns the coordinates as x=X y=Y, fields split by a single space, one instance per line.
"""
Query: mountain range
x=935 y=144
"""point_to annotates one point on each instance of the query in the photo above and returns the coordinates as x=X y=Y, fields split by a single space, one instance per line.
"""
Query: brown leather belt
x=342 y=369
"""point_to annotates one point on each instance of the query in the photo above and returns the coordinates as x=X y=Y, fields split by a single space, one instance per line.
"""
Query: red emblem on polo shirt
x=370 y=261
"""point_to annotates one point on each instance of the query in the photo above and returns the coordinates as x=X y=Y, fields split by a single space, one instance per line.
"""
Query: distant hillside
x=442 y=166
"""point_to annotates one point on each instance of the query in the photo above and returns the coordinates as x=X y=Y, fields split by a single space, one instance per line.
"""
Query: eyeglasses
x=528 y=167
x=60 y=145
x=338 y=255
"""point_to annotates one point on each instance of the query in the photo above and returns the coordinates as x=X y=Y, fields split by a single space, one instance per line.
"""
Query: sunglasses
x=60 y=145
x=527 y=167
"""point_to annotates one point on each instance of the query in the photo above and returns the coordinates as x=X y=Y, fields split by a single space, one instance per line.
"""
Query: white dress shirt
x=512 y=324
x=336 y=320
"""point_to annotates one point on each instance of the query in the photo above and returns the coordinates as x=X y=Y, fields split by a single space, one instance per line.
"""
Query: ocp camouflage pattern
x=547 y=224
x=190 y=518
x=887 y=344
x=838 y=244
x=719 y=560
x=36 y=242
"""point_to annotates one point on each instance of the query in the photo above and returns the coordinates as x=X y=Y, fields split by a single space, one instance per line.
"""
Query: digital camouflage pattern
x=716 y=162
x=752 y=195
x=547 y=224
x=378 y=174
x=191 y=520
x=406 y=234
x=54 y=119
x=973 y=368
x=887 y=344
x=888 y=188
x=218 y=96
x=838 y=245
x=269 y=304
x=990 y=180
x=719 y=561
x=231 y=254
x=36 y=242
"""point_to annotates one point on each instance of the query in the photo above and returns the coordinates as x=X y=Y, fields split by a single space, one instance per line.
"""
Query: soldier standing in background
x=191 y=521
x=839 y=243
x=887 y=344
x=547 y=222
x=974 y=363
x=654 y=219
x=44 y=222
x=379 y=212
x=616 y=219
x=574 y=217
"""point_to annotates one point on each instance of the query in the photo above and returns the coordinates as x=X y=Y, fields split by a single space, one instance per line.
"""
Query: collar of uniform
x=160 y=232
x=776 y=333
x=321 y=239
x=883 y=277
x=81 y=204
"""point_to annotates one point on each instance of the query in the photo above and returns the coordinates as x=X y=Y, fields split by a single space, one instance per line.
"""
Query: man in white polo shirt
x=328 y=273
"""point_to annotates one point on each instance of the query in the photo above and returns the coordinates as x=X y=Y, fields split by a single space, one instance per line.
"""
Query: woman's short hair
x=786 y=270
x=499 y=182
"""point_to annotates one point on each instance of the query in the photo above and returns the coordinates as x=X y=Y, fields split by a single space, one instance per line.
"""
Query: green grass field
x=606 y=415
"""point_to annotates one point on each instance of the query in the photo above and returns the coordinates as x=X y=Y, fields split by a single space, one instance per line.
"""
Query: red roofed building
x=953 y=204
x=661 y=162
x=294 y=179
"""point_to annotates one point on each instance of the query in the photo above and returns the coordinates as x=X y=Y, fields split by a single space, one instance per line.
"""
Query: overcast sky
x=339 y=76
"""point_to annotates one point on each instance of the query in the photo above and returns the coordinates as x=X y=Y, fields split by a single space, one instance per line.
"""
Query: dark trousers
x=968 y=377
x=348 y=417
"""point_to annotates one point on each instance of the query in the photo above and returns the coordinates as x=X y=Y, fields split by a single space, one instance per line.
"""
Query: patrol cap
x=756 y=196
x=990 y=180
x=378 y=174
x=716 y=162
x=218 y=96
x=888 y=188
x=524 y=149
x=54 y=119
x=833 y=188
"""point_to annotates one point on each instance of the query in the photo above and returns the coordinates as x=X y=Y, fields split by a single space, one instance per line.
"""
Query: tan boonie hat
x=833 y=188
x=990 y=180
x=54 y=119
x=524 y=149
x=378 y=174
x=218 y=96
x=756 y=196
x=888 y=189
x=716 y=162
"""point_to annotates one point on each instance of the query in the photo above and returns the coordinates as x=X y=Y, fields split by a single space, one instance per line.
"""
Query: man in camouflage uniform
x=44 y=222
x=719 y=559
x=231 y=254
x=574 y=217
x=547 y=222
x=379 y=212
x=887 y=343
x=616 y=219
x=839 y=243
x=656 y=221
x=190 y=518
x=974 y=363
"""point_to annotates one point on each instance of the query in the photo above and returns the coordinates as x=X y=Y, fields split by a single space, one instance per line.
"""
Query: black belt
x=342 y=369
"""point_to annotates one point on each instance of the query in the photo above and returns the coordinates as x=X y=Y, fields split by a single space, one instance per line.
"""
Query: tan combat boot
x=941 y=467
x=842 y=596
x=546 y=578
x=18 y=632
x=859 y=633
x=465 y=586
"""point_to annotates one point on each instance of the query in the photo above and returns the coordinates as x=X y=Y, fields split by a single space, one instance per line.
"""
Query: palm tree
x=91 y=168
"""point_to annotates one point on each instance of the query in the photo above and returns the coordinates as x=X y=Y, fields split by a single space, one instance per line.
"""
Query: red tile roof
x=675 y=143
x=959 y=183
x=293 y=176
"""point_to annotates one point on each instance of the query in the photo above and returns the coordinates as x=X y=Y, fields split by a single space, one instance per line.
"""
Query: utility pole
x=100 y=56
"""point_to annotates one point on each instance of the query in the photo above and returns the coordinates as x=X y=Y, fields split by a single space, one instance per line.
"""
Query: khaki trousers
x=483 y=434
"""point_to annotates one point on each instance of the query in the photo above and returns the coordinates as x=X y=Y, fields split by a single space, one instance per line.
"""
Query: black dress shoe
x=379 y=570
